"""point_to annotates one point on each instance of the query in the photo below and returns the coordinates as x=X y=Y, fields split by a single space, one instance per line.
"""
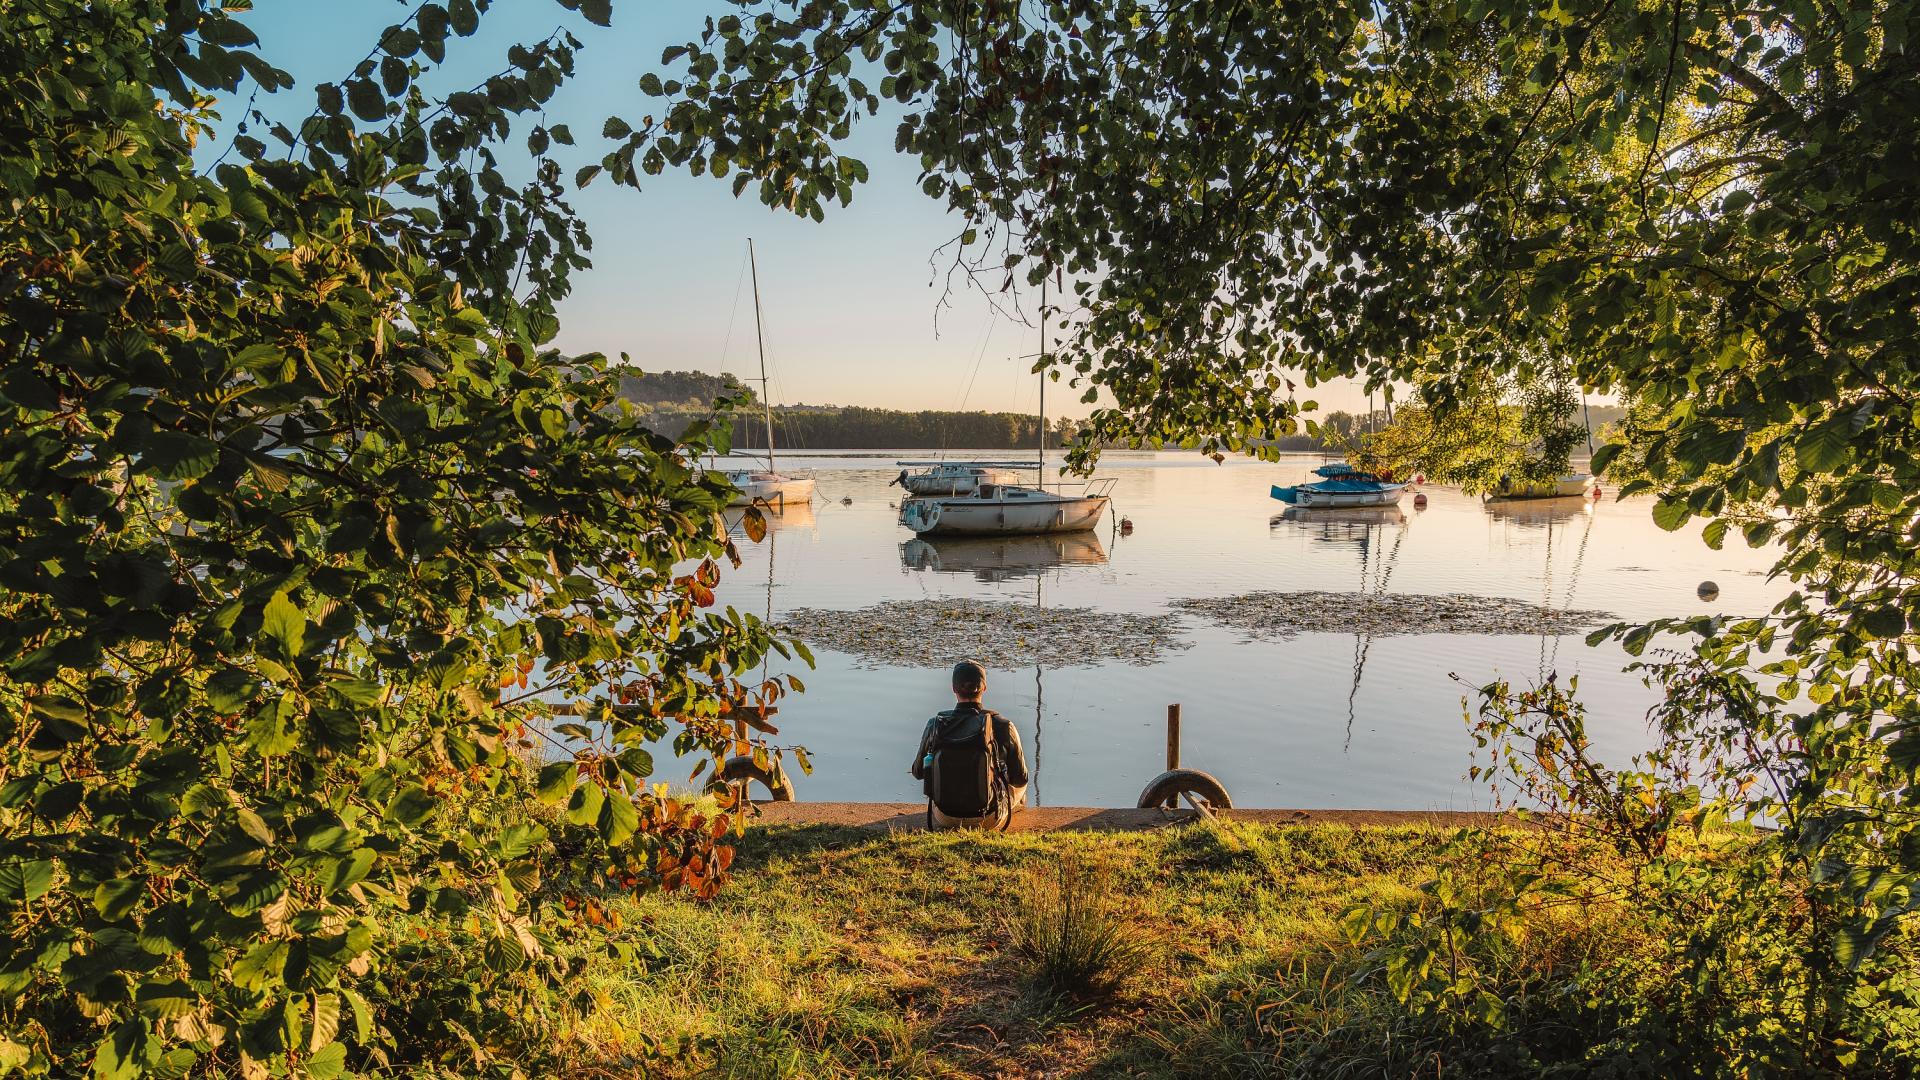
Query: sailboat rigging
x=767 y=486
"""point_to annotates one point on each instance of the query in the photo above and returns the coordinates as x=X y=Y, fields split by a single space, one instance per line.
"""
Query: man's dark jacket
x=963 y=721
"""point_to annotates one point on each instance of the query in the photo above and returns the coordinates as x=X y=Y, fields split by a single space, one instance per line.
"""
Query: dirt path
x=1040 y=818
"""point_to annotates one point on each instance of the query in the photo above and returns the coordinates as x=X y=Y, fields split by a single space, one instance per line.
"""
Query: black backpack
x=964 y=780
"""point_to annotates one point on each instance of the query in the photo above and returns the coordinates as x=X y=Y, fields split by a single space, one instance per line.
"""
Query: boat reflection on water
x=1539 y=513
x=1002 y=558
x=1349 y=523
x=795 y=515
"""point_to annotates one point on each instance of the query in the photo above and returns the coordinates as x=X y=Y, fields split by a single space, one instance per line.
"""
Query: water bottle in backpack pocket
x=964 y=779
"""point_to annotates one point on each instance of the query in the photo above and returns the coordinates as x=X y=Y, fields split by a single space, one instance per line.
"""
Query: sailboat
x=767 y=486
x=999 y=509
x=1342 y=485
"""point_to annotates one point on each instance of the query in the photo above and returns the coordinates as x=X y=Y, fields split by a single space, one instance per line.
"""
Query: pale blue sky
x=850 y=304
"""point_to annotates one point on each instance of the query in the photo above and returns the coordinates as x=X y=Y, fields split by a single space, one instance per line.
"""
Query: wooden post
x=1173 y=737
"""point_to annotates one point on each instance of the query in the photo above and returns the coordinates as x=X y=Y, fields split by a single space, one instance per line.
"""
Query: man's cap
x=969 y=674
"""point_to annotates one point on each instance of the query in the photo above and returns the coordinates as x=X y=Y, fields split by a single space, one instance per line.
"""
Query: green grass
x=846 y=952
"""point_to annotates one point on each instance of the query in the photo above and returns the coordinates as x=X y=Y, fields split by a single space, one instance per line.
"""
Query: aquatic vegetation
x=1283 y=614
x=937 y=632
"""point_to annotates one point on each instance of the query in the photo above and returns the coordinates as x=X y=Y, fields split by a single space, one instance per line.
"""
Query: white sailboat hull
x=1385 y=495
x=776 y=489
x=1003 y=517
x=1572 y=485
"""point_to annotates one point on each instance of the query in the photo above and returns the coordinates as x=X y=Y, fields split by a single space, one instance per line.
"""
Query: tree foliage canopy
x=1704 y=207
x=301 y=527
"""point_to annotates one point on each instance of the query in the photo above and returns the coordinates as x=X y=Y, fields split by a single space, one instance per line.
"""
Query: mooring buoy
x=1707 y=591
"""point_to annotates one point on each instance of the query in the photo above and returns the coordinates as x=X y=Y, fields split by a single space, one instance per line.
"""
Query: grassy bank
x=843 y=951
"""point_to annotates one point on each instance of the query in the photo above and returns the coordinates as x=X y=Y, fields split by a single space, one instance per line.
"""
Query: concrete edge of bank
x=903 y=816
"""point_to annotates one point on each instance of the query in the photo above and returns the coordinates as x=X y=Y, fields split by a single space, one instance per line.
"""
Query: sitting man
x=970 y=762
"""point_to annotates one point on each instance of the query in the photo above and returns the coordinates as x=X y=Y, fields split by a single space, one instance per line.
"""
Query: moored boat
x=955 y=477
x=1007 y=509
x=1340 y=493
x=776 y=489
x=1570 y=486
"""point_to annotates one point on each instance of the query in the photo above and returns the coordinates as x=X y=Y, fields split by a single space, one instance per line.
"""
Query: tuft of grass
x=1073 y=933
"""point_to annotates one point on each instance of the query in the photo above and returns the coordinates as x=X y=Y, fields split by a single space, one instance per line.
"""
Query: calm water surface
x=1316 y=720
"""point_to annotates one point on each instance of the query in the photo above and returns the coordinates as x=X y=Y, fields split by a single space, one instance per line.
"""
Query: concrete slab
x=897 y=816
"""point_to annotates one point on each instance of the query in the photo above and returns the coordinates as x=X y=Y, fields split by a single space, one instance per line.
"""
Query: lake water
x=1317 y=720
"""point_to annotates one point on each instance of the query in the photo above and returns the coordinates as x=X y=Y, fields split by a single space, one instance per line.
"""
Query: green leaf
x=1823 y=447
x=284 y=626
x=556 y=781
x=263 y=965
x=165 y=999
x=1715 y=534
x=1671 y=514
x=324 y=1023
x=464 y=17
x=1886 y=621
x=350 y=870
x=124 y=1053
x=618 y=819
x=597 y=12
x=116 y=899
x=253 y=825
x=584 y=807
x=366 y=100
x=328 y=1063
x=411 y=805
x=172 y=455
x=26 y=879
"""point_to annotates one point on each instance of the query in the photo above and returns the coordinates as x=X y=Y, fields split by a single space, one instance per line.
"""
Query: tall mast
x=760 y=335
x=1043 y=385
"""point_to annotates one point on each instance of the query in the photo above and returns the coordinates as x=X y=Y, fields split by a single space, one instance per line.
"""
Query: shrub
x=303 y=528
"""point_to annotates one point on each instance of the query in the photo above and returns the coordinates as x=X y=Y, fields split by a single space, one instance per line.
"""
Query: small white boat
x=1570 y=486
x=1007 y=510
x=954 y=477
x=776 y=489
x=1340 y=493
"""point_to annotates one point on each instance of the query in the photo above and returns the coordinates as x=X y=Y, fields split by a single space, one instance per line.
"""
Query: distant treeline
x=677 y=398
x=857 y=428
